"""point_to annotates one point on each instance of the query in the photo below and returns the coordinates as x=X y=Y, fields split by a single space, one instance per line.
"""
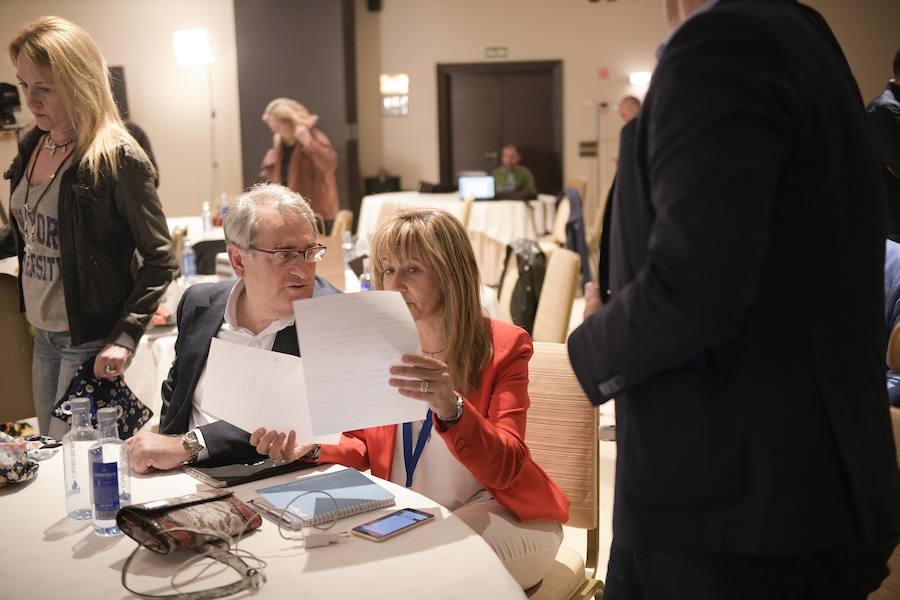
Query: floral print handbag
x=133 y=414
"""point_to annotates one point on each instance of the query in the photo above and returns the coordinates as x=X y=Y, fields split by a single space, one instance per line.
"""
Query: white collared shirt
x=232 y=332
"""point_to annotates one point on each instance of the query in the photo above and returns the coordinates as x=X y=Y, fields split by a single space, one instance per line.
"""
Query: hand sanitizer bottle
x=110 y=474
x=75 y=458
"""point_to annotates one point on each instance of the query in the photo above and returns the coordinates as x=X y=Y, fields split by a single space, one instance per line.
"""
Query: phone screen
x=393 y=523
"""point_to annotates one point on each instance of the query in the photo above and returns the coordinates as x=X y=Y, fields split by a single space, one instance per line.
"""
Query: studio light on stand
x=192 y=49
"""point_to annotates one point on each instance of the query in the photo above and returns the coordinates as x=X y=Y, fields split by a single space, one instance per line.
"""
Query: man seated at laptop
x=511 y=176
x=272 y=244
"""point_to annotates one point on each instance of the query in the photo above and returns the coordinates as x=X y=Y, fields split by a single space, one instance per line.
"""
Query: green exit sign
x=496 y=52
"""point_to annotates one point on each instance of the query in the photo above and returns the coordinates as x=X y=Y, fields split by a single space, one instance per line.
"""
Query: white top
x=438 y=474
x=235 y=334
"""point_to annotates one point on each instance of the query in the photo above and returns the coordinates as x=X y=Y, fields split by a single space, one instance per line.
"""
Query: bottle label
x=105 y=480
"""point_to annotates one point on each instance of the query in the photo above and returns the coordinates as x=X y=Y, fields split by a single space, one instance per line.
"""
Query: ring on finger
x=110 y=368
x=424 y=386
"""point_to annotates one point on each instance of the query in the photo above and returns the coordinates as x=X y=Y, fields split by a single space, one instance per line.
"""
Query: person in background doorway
x=883 y=120
x=511 y=176
x=302 y=157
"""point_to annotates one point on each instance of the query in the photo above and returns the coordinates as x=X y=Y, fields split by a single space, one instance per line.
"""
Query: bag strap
x=251 y=579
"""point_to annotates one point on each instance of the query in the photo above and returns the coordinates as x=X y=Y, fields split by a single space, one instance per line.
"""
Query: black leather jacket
x=101 y=226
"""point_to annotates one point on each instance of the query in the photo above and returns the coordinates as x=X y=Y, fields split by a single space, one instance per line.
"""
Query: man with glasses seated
x=273 y=248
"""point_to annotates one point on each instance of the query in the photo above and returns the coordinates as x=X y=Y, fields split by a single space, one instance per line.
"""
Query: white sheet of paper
x=349 y=343
x=252 y=388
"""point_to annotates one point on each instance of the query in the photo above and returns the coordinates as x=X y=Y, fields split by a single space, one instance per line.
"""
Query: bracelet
x=459 y=411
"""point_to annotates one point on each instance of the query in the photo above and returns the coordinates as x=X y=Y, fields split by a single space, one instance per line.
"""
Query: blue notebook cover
x=353 y=493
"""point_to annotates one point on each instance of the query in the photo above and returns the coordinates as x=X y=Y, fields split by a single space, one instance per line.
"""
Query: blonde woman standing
x=302 y=157
x=83 y=203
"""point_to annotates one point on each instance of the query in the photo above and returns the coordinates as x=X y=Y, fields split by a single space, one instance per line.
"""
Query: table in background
x=52 y=556
x=492 y=223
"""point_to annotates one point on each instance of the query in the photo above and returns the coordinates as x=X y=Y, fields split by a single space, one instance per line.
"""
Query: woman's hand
x=110 y=361
x=426 y=379
x=278 y=446
x=303 y=135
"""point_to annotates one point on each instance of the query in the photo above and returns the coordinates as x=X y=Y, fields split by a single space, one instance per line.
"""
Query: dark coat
x=200 y=314
x=100 y=228
x=883 y=119
x=744 y=343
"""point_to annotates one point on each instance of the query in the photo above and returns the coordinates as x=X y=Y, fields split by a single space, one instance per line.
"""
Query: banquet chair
x=551 y=321
x=343 y=221
x=504 y=299
x=557 y=236
x=15 y=354
x=205 y=252
x=467 y=210
x=331 y=267
x=560 y=411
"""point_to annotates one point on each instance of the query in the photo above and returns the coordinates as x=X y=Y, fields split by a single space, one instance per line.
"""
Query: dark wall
x=300 y=49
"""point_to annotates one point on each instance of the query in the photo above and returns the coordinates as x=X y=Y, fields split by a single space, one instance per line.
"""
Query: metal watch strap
x=312 y=454
x=190 y=440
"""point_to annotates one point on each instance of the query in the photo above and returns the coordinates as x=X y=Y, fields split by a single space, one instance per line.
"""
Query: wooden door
x=483 y=106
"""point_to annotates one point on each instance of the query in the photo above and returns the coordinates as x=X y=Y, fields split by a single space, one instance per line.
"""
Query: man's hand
x=591 y=299
x=279 y=446
x=151 y=451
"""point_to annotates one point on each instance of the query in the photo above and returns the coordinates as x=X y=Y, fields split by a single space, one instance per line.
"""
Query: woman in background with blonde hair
x=473 y=380
x=83 y=202
x=302 y=157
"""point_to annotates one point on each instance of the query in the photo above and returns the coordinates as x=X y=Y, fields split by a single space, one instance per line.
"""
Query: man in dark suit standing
x=883 y=119
x=743 y=338
x=272 y=244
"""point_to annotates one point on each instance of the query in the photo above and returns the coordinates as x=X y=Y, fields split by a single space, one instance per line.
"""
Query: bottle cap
x=108 y=414
x=79 y=404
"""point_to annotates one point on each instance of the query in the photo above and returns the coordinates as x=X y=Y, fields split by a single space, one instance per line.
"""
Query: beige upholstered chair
x=15 y=355
x=343 y=221
x=551 y=321
x=504 y=300
x=467 y=210
x=561 y=411
x=557 y=237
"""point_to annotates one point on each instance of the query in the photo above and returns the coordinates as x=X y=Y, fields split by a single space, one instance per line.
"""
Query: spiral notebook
x=352 y=492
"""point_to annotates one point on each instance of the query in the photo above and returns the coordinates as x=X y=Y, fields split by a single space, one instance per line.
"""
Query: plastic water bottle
x=347 y=245
x=207 y=217
x=223 y=204
x=76 y=444
x=365 y=280
x=188 y=262
x=110 y=474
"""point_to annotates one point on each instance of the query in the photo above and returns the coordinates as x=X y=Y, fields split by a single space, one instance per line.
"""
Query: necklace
x=30 y=211
x=432 y=354
x=52 y=146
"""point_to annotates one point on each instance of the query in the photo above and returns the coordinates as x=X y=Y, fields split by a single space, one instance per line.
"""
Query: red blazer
x=489 y=439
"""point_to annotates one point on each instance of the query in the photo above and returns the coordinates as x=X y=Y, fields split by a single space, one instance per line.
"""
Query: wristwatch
x=191 y=442
x=312 y=454
x=459 y=411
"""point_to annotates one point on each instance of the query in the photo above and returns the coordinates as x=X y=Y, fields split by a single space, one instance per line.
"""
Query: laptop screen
x=480 y=186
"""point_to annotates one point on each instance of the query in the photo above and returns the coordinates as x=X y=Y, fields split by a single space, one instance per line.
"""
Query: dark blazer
x=883 y=119
x=200 y=314
x=744 y=342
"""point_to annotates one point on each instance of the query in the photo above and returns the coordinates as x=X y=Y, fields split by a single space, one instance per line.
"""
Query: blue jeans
x=54 y=364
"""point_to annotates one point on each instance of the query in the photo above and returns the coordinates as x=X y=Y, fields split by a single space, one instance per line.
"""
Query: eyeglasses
x=289 y=256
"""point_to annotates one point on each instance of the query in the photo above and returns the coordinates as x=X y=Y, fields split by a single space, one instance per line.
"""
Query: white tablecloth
x=501 y=221
x=51 y=556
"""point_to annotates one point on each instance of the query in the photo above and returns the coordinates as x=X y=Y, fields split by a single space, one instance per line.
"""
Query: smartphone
x=388 y=526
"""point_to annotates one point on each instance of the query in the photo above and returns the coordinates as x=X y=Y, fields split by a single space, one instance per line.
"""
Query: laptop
x=480 y=187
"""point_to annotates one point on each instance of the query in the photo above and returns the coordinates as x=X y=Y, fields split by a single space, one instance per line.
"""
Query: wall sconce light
x=639 y=78
x=394 y=88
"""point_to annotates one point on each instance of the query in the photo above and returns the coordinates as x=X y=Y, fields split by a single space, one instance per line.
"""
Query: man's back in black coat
x=744 y=347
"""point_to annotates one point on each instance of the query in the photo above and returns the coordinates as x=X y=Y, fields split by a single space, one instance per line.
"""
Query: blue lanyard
x=410 y=458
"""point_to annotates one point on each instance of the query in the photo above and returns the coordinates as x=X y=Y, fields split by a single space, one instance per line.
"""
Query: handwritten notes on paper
x=252 y=388
x=348 y=343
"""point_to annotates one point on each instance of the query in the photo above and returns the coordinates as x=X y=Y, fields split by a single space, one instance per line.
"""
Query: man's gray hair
x=242 y=221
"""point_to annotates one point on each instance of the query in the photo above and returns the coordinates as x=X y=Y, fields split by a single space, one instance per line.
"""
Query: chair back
x=560 y=410
x=551 y=321
x=563 y=211
x=331 y=267
x=205 y=252
x=343 y=221
x=467 y=210
x=562 y=438
x=507 y=285
x=15 y=354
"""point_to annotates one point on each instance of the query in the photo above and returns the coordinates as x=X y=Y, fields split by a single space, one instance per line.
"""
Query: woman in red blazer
x=473 y=378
